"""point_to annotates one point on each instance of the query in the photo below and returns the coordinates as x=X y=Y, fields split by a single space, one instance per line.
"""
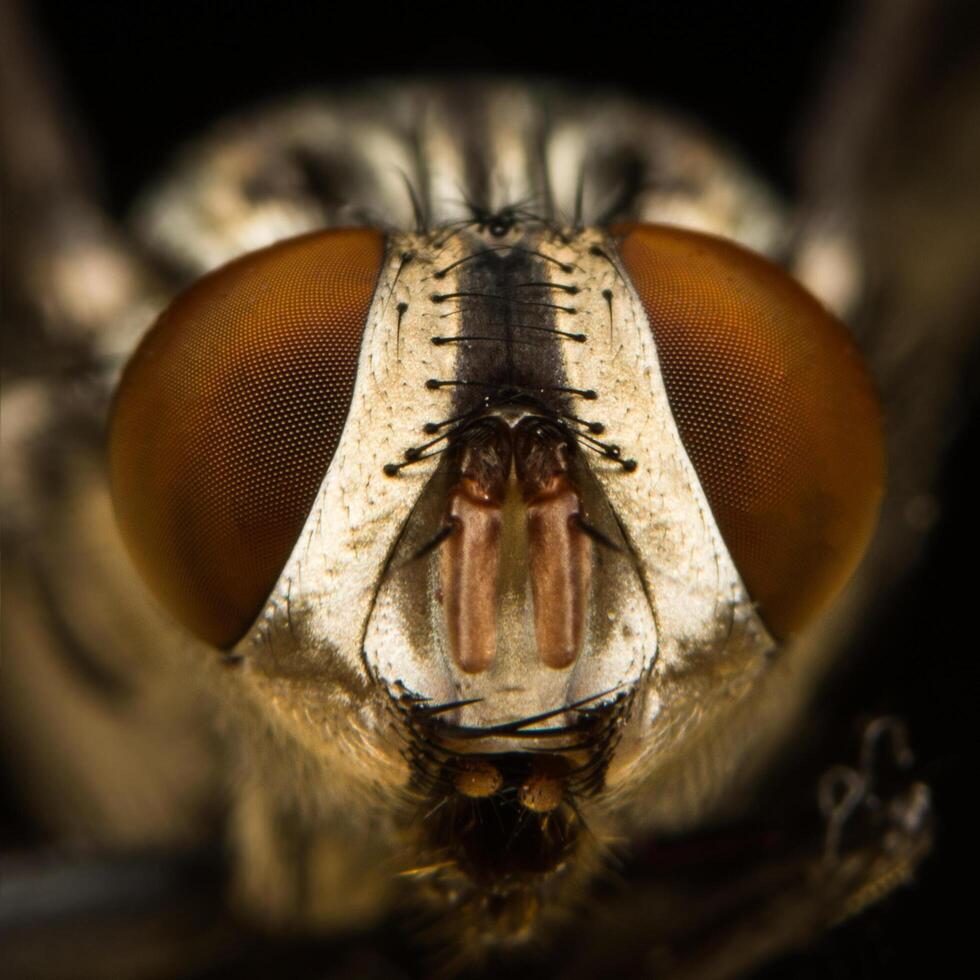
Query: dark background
x=144 y=77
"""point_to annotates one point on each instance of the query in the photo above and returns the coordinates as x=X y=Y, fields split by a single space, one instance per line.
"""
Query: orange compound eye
x=227 y=417
x=775 y=409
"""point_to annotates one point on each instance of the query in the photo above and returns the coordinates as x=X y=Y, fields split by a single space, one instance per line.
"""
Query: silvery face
x=663 y=594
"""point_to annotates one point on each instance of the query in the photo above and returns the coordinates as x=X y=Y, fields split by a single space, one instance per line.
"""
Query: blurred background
x=143 y=78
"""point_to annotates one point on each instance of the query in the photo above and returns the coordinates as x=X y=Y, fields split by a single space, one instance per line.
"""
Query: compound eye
x=775 y=409
x=227 y=417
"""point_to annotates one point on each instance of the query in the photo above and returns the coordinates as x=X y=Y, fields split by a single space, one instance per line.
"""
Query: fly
x=486 y=519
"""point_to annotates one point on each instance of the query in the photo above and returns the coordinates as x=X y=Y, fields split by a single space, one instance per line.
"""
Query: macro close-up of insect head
x=488 y=491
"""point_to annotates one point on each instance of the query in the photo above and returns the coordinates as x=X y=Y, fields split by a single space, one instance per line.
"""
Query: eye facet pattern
x=227 y=417
x=775 y=408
